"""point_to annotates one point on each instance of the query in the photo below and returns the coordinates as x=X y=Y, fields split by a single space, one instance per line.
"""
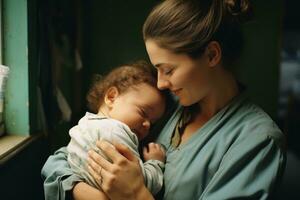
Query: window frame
x=18 y=34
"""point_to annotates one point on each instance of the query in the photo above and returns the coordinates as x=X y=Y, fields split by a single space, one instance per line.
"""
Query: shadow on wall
x=289 y=99
x=21 y=177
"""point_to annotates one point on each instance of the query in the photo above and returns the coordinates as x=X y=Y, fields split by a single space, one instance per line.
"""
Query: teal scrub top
x=237 y=154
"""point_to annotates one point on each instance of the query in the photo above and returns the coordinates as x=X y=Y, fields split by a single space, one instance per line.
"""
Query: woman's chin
x=185 y=102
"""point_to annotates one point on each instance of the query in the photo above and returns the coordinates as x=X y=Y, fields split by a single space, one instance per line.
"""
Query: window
x=15 y=53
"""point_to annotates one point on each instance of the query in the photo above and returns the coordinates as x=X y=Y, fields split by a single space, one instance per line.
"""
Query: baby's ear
x=110 y=96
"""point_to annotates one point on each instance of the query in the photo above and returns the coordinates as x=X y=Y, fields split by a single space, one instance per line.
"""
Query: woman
x=218 y=144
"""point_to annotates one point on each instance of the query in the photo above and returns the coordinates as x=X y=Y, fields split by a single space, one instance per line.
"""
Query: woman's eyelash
x=167 y=72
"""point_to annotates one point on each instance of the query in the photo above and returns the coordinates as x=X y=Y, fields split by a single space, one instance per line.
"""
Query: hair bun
x=241 y=10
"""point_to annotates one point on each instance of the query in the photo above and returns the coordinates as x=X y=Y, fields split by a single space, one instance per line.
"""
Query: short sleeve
x=249 y=170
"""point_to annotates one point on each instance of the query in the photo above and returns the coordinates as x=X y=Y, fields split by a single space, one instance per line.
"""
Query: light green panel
x=15 y=56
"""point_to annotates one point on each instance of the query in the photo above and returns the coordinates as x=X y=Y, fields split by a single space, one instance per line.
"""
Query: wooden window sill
x=10 y=145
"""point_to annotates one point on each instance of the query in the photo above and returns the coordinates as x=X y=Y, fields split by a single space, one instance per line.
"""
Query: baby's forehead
x=146 y=88
x=152 y=103
x=159 y=107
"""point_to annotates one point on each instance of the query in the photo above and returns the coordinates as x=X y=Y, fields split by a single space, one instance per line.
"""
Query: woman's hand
x=121 y=179
x=154 y=152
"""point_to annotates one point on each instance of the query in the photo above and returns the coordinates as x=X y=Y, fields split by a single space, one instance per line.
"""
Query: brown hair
x=187 y=26
x=122 y=77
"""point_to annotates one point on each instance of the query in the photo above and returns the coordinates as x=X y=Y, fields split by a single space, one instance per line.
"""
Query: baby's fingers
x=155 y=147
x=145 y=150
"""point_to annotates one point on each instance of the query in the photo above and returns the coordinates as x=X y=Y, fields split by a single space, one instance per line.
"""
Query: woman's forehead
x=163 y=57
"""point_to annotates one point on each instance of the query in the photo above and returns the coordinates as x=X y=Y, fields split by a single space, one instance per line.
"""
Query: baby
x=126 y=103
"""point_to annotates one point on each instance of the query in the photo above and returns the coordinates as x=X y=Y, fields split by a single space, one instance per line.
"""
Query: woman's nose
x=162 y=83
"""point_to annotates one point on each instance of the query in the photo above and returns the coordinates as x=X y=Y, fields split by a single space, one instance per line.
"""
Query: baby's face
x=139 y=107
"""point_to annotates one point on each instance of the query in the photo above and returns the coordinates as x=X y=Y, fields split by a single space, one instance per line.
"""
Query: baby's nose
x=147 y=124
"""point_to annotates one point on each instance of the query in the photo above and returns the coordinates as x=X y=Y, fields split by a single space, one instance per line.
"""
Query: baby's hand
x=154 y=152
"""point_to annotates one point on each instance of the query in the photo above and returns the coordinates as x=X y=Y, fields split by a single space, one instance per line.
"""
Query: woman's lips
x=176 y=92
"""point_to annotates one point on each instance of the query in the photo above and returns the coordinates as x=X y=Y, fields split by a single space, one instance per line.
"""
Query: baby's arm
x=153 y=167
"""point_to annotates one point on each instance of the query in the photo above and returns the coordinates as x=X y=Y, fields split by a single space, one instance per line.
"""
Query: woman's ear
x=214 y=53
x=110 y=96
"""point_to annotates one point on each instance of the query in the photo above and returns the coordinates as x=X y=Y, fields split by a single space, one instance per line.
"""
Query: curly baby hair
x=122 y=77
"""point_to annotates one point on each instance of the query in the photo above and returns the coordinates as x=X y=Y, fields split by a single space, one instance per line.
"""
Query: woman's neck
x=224 y=90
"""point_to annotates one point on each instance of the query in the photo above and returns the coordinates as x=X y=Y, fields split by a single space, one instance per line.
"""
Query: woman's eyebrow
x=158 y=65
x=163 y=64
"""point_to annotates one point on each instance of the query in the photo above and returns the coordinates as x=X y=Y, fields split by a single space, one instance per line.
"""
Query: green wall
x=15 y=56
x=20 y=170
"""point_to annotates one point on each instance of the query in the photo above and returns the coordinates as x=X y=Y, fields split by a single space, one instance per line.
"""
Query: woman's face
x=189 y=79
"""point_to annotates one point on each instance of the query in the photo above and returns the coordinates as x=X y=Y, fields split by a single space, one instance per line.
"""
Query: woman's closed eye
x=168 y=71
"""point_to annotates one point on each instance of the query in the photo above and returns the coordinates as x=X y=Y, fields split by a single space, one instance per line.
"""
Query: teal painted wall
x=15 y=56
x=24 y=167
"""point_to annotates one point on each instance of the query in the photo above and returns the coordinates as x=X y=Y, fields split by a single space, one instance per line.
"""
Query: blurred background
x=75 y=39
x=288 y=110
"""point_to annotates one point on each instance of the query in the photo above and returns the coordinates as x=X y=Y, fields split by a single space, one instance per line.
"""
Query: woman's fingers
x=114 y=176
x=96 y=160
x=101 y=176
x=116 y=153
x=96 y=175
x=125 y=151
